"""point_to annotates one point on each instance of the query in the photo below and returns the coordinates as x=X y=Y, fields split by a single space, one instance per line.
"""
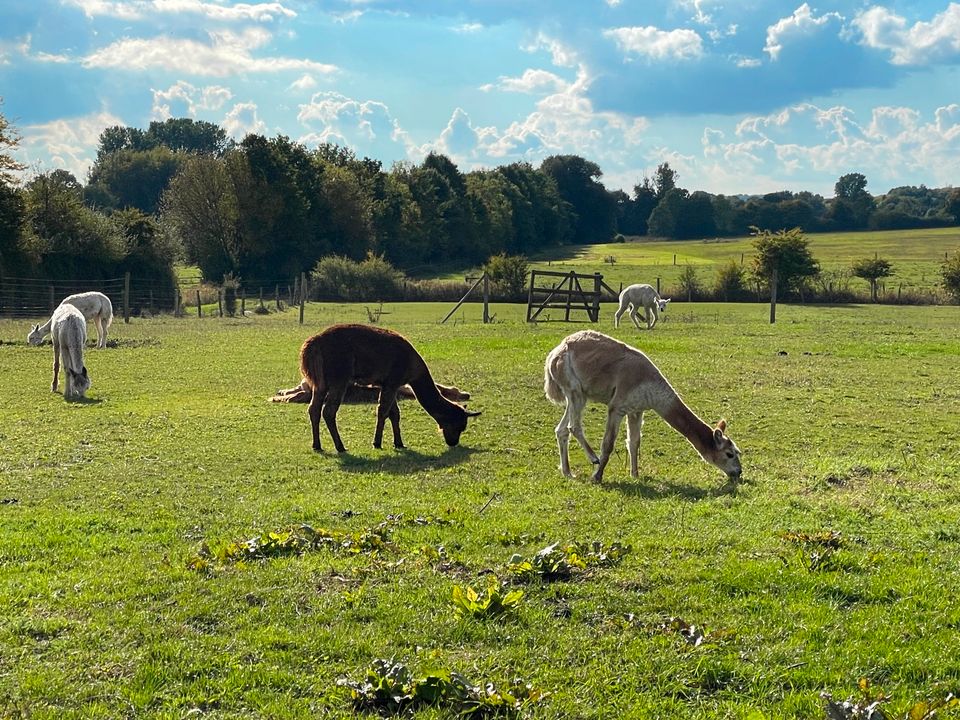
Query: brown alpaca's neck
x=429 y=396
x=682 y=419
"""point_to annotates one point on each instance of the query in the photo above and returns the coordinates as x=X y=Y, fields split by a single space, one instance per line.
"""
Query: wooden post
x=530 y=295
x=276 y=296
x=152 y=309
x=597 y=278
x=486 y=299
x=52 y=300
x=177 y=302
x=658 y=285
x=303 y=296
x=570 y=279
x=220 y=302
x=243 y=302
x=741 y=259
x=126 y=297
x=199 y=309
x=674 y=258
x=773 y=297
x=261 y=298
x=464 y=298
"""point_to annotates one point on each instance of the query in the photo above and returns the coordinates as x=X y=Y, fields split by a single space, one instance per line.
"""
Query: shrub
x=340 y=278
x=230 y=285
x=950 y=272
x=508 y=273
x=731 y=281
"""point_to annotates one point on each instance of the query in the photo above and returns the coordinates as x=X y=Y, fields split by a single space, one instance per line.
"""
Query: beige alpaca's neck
x=682 y=419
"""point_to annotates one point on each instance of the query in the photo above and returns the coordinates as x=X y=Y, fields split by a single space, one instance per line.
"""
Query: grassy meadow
x=832 y=567
x=916 y=256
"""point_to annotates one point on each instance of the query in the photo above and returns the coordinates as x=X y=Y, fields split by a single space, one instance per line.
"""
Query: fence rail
x=38 y=297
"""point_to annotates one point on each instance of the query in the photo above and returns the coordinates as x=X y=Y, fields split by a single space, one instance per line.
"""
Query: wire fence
x=38 y=297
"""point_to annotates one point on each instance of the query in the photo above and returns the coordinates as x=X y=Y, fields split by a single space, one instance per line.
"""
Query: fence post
x=674 y=258
x=303 y=296
x=261 y=298
x=126 y=297
x=276 y=295
x=243 y=302
x=220 y=302
x=596 y=298
x=152 y=309
x=199 y=309
x=177 y=302
x=658 y=286
x=486 y=298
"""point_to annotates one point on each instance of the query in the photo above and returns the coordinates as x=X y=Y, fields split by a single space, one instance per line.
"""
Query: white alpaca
x=94 y=306
x=589 y=365
x=68 y=330
x=641 y=296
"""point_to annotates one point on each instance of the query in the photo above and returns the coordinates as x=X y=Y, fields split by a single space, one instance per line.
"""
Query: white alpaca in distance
x=94 y=306
x=639 y=296
x=589 y=365
x=68 y=330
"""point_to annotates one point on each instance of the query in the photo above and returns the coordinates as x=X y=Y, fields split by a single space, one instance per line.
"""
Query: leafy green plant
x=816 y=549
x=389 y=688
x=492 y=602
x=561 y=562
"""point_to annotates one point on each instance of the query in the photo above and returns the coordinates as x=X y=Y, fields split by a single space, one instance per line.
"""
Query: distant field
x=916 y=256
x=832 y=567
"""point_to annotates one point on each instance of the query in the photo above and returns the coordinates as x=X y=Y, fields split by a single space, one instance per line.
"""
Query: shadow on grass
x=651 y=488
x=83 y=401
x=405 y=460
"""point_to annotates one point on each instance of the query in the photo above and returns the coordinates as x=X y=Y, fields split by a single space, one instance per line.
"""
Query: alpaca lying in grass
x=94 y=306
x=68 y=330
x=364 y=394
x=639 y=296
x=589 y=365
x=343 y=355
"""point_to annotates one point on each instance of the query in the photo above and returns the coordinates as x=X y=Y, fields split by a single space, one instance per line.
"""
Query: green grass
x=916 y=256
x=848 y=419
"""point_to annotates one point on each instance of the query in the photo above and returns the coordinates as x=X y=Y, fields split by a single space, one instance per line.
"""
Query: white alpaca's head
x=35 y=337
x=663 y=303
x=80 y=382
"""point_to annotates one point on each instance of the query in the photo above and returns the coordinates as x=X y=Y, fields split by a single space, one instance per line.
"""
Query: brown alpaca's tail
x=311 y=362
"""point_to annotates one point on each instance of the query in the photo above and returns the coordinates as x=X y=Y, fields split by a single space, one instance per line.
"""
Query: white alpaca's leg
x=56 y=365
x=634 y=315
x=620 y=311
x=655 y=313
x=101 y=331
x=614 y=418
x=634 y=435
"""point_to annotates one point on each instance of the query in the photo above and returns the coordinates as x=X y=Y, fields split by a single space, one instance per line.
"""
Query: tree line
x=266 y=208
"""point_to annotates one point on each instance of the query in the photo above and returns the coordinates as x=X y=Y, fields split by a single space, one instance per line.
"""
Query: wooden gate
x=564 y=291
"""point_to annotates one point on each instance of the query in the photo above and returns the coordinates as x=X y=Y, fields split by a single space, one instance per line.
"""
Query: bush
x=340 y=278
x=731 y=282
x=230 y=286
x=508 y=273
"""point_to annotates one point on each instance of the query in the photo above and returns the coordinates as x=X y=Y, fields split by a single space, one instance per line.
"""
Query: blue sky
x=739 y=96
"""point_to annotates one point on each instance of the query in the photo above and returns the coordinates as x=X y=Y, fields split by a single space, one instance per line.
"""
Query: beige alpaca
x=589 y=365
x=639 y=296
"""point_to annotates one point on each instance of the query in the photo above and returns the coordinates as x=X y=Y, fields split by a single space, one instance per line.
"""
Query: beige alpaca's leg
x=614 y=418
x=634 y=435
x=563 y=441
x=576 y=407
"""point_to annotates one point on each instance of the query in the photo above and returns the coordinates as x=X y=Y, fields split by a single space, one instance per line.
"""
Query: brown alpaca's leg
x=316 y=405
x=335 y=397
x=387 y=408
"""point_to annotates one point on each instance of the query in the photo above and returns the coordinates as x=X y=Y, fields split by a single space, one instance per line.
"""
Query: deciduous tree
x=871 y=270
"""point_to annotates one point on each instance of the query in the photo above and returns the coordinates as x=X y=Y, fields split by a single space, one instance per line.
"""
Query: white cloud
x=747 y=62
x=805 y=140
x=467 y=28
x=532 y=81
x=366 y=126
x=142 y=9
x=801 y=24
x=304 y=82
x=560 y=54
x=657 y=44
x=189 y=100
x=226 y=54
x=922 y=43
x=68 y=143
x=242 y=119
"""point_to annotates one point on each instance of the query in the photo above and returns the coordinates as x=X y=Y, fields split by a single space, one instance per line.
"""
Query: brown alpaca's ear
x=722 y=425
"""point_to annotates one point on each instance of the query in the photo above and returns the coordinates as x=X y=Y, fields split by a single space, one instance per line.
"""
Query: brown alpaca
x=364 y=394
x=343 y=355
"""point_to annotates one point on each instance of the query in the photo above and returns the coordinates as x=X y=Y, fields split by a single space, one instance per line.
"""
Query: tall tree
x=578 y=182
x=871 y=270
x=664 y=180
x=950 y=272
x=782 y=259
x=9 y=141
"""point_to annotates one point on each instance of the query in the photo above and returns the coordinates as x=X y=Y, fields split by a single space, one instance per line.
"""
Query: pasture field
x=916 y=256
x=833 y=566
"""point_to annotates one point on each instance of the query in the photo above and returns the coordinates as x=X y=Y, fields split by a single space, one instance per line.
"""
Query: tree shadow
x=404 y=460
x=651 y=488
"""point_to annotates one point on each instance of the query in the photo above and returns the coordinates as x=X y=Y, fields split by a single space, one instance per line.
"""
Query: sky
x=738 y=96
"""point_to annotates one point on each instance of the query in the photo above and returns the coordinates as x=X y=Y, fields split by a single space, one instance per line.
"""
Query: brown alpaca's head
x=454 y=425
x=724 y=453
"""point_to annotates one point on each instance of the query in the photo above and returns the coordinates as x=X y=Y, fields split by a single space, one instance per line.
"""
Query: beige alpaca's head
x=724 y=453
